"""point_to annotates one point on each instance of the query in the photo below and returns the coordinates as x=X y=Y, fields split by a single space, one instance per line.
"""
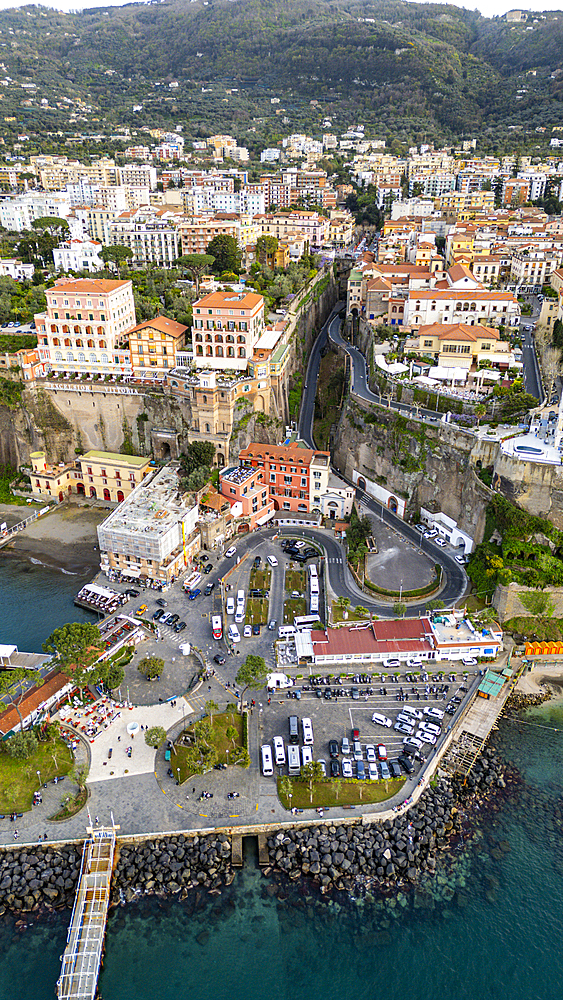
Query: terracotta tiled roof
x=36 y=696
x=163 y=325
x=458 y=331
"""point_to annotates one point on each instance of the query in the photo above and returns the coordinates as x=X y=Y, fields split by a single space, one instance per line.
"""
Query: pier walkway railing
x=85 y=940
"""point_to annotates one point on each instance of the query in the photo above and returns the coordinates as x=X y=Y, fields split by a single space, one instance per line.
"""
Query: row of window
x=92 y=358
x=229 y=339
x=68 y=343
x=218 y=325
x=99 y=331
x=219 y=352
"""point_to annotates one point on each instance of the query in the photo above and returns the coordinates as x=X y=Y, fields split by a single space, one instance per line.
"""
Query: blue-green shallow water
x=497 y=939
x=35 y=599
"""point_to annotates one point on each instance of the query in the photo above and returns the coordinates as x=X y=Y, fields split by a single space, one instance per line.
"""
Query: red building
x=296 y=478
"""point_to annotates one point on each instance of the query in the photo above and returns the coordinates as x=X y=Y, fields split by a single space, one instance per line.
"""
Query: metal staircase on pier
x=85 y=939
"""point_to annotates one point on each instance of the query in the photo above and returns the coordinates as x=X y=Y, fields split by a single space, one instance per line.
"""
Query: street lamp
x=178 y=773
x=39 y=776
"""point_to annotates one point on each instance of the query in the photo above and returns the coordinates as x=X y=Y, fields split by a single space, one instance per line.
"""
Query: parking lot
x=353 y=701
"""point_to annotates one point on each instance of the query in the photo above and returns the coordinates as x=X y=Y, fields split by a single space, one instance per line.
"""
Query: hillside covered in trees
x=403 y=66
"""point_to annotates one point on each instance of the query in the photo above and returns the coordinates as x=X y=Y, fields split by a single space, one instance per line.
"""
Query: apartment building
x=152 y=236
x=247 y=492
x=453 y=305
x=154 y=344
x=297 y=478
x=226 y=327
x=101 y=475
x=313 y=226
x=138 y=175
x=152 y=536
x=197 y=232
x=84 y=325
x=78 y=255
x=534 y=267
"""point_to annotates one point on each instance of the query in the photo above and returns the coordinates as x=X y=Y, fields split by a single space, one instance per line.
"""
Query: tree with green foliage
x=211 y=708
x=231 y=735
x=13 y=681
x=226 y=254
x=155 y=736
x=112 y=675
x=196 y=264
x=251 y=674
x=343 y=603
x=151 y=667
x=21 y=745
x=538 y=603
x=311 y=773
x=78 y=647
x=266 y=246
x=285 y=788
x=116 y=255
x=399 y=609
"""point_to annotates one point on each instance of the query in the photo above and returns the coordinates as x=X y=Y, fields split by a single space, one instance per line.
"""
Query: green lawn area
x=260 y=578
x=295 y=579
x=353 y=616
x=221 y=723
x=257 y=611
x=337 y=792
x=293 y=607
x=18 y=778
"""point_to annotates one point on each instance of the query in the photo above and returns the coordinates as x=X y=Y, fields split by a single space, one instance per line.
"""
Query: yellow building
x=153 y=346
x=101 y=475
x=459 y=345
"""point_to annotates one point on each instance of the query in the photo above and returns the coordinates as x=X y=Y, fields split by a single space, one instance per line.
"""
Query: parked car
x=460 y=560
x=355 y=693
x=272 y=625
x=345 y=745
x=360 y=770
x=208 y=568
x=441 y=542
x=434 y=713
x=357 y=750
x=158 y=615
x=272 y=561
x=414 y=661
x=431 y=727
x=257 y=562
x=384 y=768
x=334 y=769
x=161 y=602
x=370 y=752
x=469 y=661
x=381 y=751
x=230 y=605
x=179 y=626
x=322 y=765
x=372 y=771
x=333 y=748
x=347 y=769
x=420 y=527
x=381 y=720
x=392 y=662
x=247 y=631
x=255 y=630
x=306 y=756
x=172 y=619
x=401 y=727
x=394 y=768
x=406 y=764
x=232 y=551
x=210 y=587
x=425 y=737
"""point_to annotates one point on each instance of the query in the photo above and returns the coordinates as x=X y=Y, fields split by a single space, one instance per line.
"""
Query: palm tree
x=480 y=411
x=343 y=603
x=362 y=612
x=211 y=707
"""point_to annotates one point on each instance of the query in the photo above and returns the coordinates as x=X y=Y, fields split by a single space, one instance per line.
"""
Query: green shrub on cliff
x=10 y=393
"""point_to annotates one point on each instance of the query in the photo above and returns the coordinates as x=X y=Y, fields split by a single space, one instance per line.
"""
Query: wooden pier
x=85 y=939
x=474 y=730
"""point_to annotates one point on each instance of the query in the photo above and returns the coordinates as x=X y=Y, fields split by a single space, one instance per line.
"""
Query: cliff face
x=424 y=464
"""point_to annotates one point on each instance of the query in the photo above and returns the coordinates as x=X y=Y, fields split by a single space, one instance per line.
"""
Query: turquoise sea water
x=35 y=599
x=487 y=928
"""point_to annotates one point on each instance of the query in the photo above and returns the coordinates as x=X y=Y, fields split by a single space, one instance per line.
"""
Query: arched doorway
x=61 y=496
x=220 y=460
x=393 y=504
x=333 y=509
x=243 y=529
x=93 y=492
x=107 y=495
x=120 y=496
x=80 y=489
x=362 y=484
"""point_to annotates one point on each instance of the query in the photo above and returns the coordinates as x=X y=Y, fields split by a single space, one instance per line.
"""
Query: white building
x=78 y=255
x=152 y=236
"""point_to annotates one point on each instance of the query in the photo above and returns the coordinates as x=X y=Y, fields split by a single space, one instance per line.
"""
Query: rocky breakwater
x=36 y=877
x=170 y=865
x=392 y=852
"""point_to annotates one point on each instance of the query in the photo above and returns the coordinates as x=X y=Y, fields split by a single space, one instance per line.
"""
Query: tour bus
x=308 y=737
x=314 y=603
x=314 y=585
x=307 y=621
x=293 y=761
x=267 y=764
x=217 y=627
x=313 y=571
x=279 y=750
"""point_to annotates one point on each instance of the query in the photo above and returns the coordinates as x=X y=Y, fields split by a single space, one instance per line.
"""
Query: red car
x=381 y=751
x=355 y=734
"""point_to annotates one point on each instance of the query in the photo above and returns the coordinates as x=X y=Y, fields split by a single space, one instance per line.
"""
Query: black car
x=310 y=552
x=257 y=562
x=406 y=764
x=158 y=615
x=300 y=557
x=394 y=768
x=208 y=568
x=333 y=748
x=132 y=593
x=334 y=769
x=162 y=603
x=172 y=619
x=255 y=630
x=179 y=626
x=204 y=558
x=219 y=659
x=209 y=588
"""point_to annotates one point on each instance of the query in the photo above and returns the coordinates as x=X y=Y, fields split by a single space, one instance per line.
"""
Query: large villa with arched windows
x=226 y=327
x=85 y=326
x=99 y=475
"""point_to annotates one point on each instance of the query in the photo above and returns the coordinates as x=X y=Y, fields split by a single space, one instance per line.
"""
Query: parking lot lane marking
x=204 y=815
x=234 y=815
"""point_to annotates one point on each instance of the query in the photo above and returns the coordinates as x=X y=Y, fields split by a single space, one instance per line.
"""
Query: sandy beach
x=63 y=539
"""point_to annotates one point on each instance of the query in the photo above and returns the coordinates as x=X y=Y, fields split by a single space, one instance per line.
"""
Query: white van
x=267 y=764
x=308 y=737
x=230 y=605
x=306 y=756
x=286 y=630
x=272 y=561
x=293 y=760
x=234 y=634
x=240 y=598
x=279 y=750
x=381 y=720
